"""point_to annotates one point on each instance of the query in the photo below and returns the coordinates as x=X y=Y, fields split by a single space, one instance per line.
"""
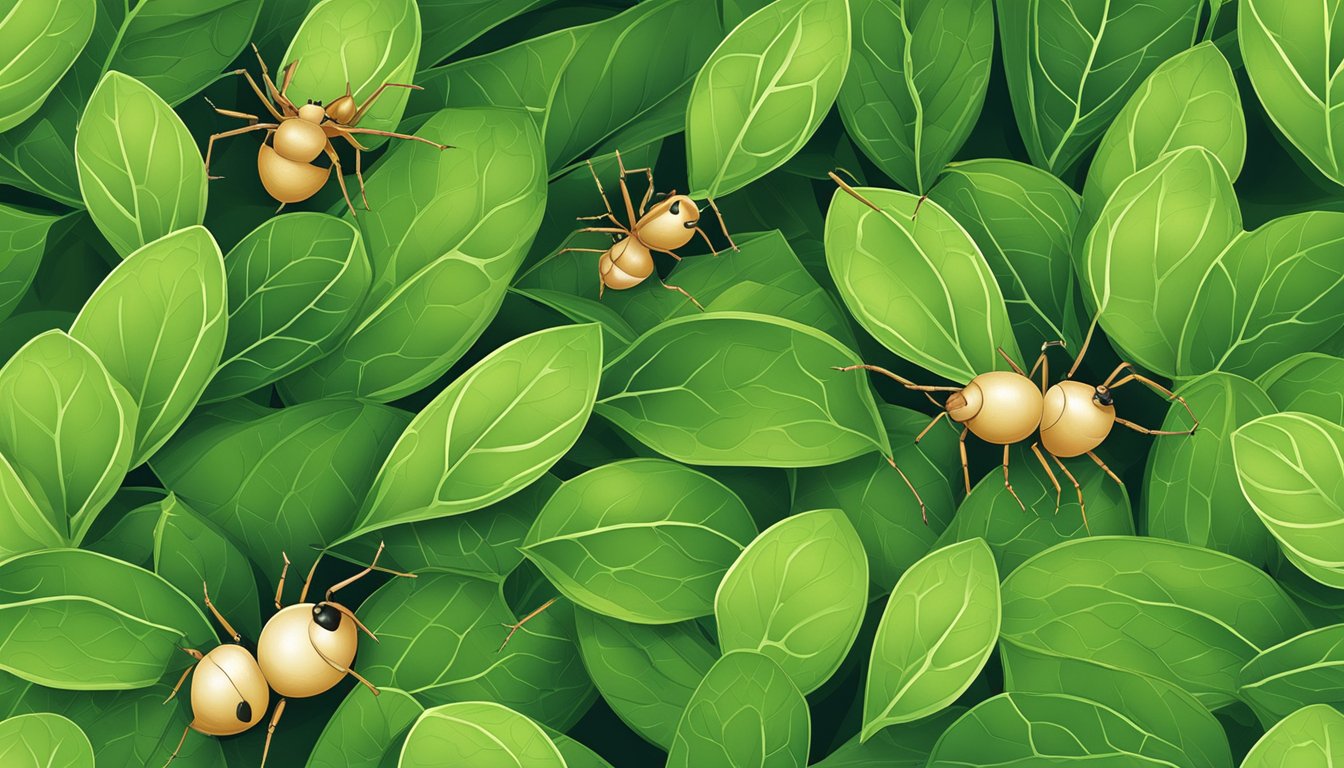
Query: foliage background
x=193 y=384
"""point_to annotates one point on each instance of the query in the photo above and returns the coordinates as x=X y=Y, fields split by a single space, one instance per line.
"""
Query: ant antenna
x=852 y=192
x=1083 y=351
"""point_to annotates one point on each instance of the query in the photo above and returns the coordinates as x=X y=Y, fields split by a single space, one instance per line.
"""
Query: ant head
x=670 y=223
x=342 y=109
x=327 y=616
x=1103 y=396
x=312 y=112
x=964 y=405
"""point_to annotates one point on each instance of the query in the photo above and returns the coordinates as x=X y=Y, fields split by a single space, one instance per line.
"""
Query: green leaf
x=643 y=540
x=174 y=47
x=1191 y=491
x=357 y=45
x=1292 y=66
x=916 y=82
x=1189 y=100
x=66 y=427
x=745 y=712
x=140 y=173
x=1174 y=218
x=878 y=502
x=189 y=552
x=764 y=91
x=739 y=389
x=44 y=740
x=897 y=746
x=1022 y=219
x=1014 y=535
x=1292 y=473
x=43 y=37
x=1308 y=738
x=23 y=240
x=1071 y=66
x=646 y=673
x=158 y=323
x=616 y=332
x=583 y=84
x=364 y=728
x=1170 y=714
x=449 y=25
x=797 y=594
x=576 y=755
x=493 y=431
x=919 y=285
x=1308 y=382
x=440 y=637
x=1050 y=729
x=1307 y=669
x=1136 y=604
x=285 y=481
x=937 y=632
x=1273 y=292
x=478 y=733
x=447 y=235
x=57 y=600
x=294 y=285
x=26 y=524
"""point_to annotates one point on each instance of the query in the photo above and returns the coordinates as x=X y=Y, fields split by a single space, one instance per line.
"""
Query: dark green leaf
x=188 y=552
x=897 y=746
x=23 y=240
x=363 y=728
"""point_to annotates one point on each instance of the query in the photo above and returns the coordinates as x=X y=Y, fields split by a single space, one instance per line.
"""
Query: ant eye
x=244 y=712
x=659 y=195
x=1103 y=396
x=326 y=617
x=676 y=207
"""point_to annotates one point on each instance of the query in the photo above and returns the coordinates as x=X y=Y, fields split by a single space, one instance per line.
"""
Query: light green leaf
x=1307 y=669
x=44 y=740
x=490 y=433
x=797 y=594
x=646 y=673
x=1072 y=65
x=918 y=284
x=158 y=323
x=616 y=332
x=478 y=733
x=294 y=285
x=1308 y=382
x=1191 y=492
x=1312 y=737
x=1293 y=66
x=764 y=92
x=189 y=552
x=26 y=524
x=739 y=389
x=440 y=637
x=67 y=428
x=447 y=235
x=643 y=540
x=897 y=746
x=1022 y=219
x=23 y=240
x=1292 y=473
x=364 y=728
x=576 y=755
x=140 y=173
x=746 y=712
x=916 y=82
x=43 y=37
x=1183 y=614
x=359 y=45
x=938 y=629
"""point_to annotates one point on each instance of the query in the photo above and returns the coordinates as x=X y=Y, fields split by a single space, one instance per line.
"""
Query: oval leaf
x=797 y=594
x=1308 y=669
x=44 y=37
x=478 y=733
x=1308 y=738
x=1308 y=383
x=364 y=728
x=44 y=740
x=644 y=540
x=189 y=552
x=764 y=92
x=23 y=241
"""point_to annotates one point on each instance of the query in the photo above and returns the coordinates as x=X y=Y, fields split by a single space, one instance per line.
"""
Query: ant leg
x=852 y=192
x=613 y=219
x=669 y=253
x=195 y=654
x=276 y=93
x=1009 y=485
x=519 y=624
x=1044 y=364
x=1159 y=389
x=707 y=242
x=371 y=567
x=280 y=588
x=250 y=118
x=1077 y=361
x=603 y=192
x=936 y=419
x=1105 y=468
x=1082 y=506
x=344 y=669
x=219 y=617
x=965 y=465
x=722 y=226
x=406 y=136
x=270 y=107
x=683 y=292
x=1146 y=431
x=625 y=190
x=918 y=203
x=359 y=113
x=210 y=145
x=180 y=742
x=340 y=176
x=1036 y=449
x=287 y=79
x=1005 y=356
x=923 y=511
x=270 y=730
x=612 y=230
x=902 y=380
x=359 y=164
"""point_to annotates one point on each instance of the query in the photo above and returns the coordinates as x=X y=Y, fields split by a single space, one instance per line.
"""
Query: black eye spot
x=326 y=617
x=676 y=207
x=244 y=712
x=1103 y=396
x=689 y=224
